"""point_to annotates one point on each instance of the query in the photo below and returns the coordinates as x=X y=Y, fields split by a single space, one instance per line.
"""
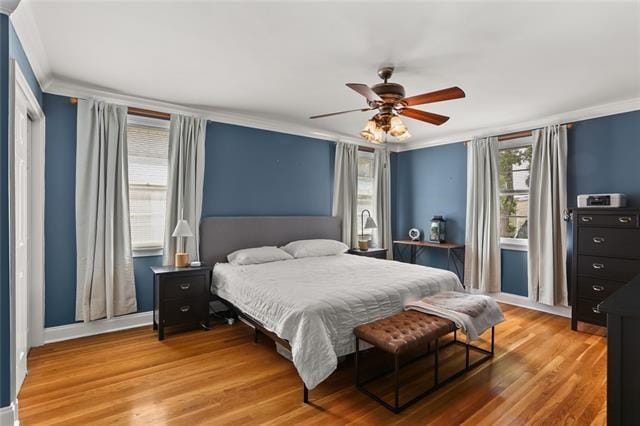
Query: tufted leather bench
x=405 y=331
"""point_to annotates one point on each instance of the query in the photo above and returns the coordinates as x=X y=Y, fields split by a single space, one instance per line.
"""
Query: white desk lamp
x=182 y=230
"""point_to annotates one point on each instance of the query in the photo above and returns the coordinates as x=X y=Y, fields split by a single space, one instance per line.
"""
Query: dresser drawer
x=618 y=220
x=596 y=289
x=183 y=286
x=613 y=242
x=184 y=311
x=607 y=268
x=587 y=310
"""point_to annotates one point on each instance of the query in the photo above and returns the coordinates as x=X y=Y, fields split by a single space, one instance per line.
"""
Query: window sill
x=514 y=244
x=147 y=252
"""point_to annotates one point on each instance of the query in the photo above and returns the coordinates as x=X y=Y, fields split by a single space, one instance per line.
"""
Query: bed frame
x=220 y=236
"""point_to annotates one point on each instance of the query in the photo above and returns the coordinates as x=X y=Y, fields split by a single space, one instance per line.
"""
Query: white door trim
x=17 y=81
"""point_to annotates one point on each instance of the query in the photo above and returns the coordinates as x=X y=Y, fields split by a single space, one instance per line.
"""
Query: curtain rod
x=520 y=134
x=137 y=111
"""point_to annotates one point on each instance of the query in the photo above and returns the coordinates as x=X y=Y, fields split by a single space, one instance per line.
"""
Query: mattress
x=314 y=303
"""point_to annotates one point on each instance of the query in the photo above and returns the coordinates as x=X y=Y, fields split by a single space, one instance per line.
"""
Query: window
x=514 y=165
x=148 y=141
x=365 y=189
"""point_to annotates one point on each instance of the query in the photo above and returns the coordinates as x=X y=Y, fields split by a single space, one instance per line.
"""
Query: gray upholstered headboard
x=220 y=236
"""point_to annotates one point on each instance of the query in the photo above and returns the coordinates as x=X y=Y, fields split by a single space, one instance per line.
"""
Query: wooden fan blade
x=341 y=112
x=438 y=96
x=365 y=91
x=429 y=117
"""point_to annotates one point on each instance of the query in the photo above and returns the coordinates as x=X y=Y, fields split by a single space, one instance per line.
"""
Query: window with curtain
x=148 y=143
x=365 y=189
x=514 y=165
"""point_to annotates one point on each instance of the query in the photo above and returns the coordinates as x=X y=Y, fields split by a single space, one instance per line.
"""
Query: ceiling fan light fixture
x=397 y=128
x=369 y=130
x=404 y=136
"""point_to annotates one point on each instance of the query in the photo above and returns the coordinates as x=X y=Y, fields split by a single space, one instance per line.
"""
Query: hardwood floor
x=542 y=373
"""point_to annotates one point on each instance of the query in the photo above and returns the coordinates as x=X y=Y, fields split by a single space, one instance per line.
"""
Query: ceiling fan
x=390 y=102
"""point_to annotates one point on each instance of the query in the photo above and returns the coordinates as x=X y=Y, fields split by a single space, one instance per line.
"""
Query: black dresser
x=606 y=255
x=623 y=352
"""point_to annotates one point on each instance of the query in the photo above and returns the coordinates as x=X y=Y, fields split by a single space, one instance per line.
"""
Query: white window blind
x=365 y=190
x=148 y=143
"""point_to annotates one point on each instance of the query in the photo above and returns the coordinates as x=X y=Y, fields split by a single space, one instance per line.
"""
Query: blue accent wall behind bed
x=603 y=156
x=247 y=172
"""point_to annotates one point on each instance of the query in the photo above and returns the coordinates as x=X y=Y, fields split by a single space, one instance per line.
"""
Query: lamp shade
x=370 y=224
x=182 y=229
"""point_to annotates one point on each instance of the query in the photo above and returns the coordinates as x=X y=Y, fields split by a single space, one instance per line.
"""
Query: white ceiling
x=285 y=61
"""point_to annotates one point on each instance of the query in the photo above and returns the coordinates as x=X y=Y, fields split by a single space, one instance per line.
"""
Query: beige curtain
x=345 y=191
x=185 y=183
x=105 y=285
x=547 y=253
x=482 y=239
x=382 y=199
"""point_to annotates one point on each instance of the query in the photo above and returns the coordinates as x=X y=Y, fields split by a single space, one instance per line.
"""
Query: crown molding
x=8 y=6
x=27 y=30
x=566 y=117
x=62 y=87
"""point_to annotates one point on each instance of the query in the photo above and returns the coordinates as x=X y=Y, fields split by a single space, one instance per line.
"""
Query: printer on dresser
x=606 y=255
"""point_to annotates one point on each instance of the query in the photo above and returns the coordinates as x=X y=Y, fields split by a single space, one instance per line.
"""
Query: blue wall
x=430 y=182
x=603 y=156
x=5 y=367
x=247 y=172
x=17 y=52
x=257 y=172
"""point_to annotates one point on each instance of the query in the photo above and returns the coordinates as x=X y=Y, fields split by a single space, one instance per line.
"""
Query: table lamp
x=369 y=224
x=182 y=230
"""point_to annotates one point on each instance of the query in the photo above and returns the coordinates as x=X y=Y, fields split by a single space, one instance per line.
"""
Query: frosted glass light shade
x=182 y=229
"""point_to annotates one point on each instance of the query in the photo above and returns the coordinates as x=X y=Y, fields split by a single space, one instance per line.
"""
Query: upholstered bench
x=404 y=333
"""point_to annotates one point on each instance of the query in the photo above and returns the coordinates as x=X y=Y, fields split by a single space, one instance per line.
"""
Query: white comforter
x=315 y=303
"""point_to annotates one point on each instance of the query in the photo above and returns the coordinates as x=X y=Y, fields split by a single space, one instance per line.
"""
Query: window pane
x=513 y=216
x=514 y=168
x=148 y=146
x=365 y=190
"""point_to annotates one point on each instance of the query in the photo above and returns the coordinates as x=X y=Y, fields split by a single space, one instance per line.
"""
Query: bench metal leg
x=305 y=394
x=357 y=372
x=397 y=376
x=436 y=365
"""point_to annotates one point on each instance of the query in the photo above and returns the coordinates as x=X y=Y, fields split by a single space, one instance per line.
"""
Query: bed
x=311 y=303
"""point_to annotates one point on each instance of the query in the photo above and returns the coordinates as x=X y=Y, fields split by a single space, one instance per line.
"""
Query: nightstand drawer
x=183 y=311
x=183 y=286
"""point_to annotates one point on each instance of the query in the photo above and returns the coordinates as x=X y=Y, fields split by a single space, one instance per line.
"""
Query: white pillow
x=311 y=248
x=252 y=256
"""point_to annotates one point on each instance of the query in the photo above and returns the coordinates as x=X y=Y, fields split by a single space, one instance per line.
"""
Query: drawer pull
x=598 y=240
x=186 y=286
x=597 y=287
x=596 y=309
x=586 y=219
x=624 y=219
x=185 y=308
x=598 y=266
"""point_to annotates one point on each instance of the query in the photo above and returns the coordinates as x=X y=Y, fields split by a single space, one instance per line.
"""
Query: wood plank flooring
x=542 y=373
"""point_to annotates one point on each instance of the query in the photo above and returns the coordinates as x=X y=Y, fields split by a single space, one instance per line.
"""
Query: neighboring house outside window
x=148 y=142
x=365 y=191
x=514 y=165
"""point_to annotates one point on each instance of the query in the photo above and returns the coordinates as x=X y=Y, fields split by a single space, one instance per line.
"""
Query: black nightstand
x=180 y=296
x=380 y=253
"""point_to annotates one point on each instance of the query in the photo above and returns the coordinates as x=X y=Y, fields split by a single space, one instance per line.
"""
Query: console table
x=455 y=253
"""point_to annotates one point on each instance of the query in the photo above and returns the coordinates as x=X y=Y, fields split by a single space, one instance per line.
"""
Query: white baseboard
x=82 y=329
x=524 y=302
x=9 y=415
